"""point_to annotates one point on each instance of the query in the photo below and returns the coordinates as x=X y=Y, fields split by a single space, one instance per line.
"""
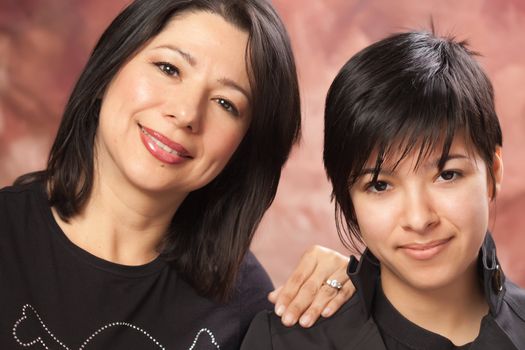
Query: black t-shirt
x=399 y=333
x=54 y=295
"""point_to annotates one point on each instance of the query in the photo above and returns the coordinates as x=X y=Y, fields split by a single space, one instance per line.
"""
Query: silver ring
x=334 y=284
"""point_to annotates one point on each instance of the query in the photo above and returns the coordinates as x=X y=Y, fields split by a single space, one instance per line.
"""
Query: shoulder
x=253 y=278
x=16 y=199
x=267 y=331
x=253 y=286
x=19 y=193
x=515 y=298
x=511 y=316
x=21 y=207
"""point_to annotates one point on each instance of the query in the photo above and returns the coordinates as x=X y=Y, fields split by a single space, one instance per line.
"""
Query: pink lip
x=159 y=153
x=171 y=144
x=425 y=251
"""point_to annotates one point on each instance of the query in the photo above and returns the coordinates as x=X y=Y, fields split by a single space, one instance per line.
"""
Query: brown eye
x=449 y=175
x=377 y=186
x=380 y=186
x=167 y=68
x=228 y=106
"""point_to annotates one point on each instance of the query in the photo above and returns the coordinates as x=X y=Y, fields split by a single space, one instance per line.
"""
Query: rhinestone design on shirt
x=30 y=313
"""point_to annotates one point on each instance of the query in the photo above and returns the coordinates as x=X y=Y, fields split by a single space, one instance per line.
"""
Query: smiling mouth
x=425 y=246
x=182 y=153
x=425 y=251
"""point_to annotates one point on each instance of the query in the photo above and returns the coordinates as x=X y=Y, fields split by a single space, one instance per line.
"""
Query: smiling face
x=175 y=113
x=426 y=226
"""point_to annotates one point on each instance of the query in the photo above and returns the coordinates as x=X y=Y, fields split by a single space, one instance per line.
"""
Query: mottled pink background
x=44 y=45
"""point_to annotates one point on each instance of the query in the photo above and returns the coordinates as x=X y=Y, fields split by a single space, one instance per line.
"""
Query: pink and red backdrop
x=44 y=45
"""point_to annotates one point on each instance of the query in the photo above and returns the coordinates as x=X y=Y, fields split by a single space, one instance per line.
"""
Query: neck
x=453 y=311
x=120 y=223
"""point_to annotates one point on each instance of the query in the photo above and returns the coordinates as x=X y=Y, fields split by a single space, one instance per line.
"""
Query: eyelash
x=167 y=68
x=371 y=186
x=456 y=174
x=227 y=105
x=171 y=70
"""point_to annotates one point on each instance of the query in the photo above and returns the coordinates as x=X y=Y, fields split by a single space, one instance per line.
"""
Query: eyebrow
x=193 y=62
x=187 y=57
x=232 y=84
x=433 y=164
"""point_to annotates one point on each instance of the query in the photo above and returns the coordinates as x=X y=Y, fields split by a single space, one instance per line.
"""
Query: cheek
x=376 y=218
x=219 y=144
x=468 y=210
x=223 y=139
x=129 y=92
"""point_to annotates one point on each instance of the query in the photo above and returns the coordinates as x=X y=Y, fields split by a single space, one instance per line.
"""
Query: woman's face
x=426 y=226
x=174 y=114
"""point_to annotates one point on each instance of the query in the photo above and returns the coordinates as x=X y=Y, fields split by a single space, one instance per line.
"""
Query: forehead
x=200 y=24
x=208 y=38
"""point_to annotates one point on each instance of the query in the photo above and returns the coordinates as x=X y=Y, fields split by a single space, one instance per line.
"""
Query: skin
x=189 y=84
x=176 y=86
x=305 y=296
x=426 y=227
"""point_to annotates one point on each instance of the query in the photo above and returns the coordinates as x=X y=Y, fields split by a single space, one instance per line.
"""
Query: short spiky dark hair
x=213 y=228
x=411 y=90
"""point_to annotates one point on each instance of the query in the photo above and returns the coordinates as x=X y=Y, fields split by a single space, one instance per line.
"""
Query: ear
x=497 y=169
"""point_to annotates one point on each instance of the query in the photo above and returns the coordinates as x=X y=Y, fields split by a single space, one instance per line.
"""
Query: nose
x=419 y=214
x=185 y=107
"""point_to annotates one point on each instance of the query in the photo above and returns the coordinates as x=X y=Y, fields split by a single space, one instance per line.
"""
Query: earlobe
x=497 y=168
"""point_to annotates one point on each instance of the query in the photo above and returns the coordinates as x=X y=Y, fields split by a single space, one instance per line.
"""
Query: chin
x=148 y=182
x=430 y=286
x=434 y=279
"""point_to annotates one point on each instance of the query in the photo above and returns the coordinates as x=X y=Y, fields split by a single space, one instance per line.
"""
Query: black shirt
x=398 y=333
x=54 y=295
x=369 y=322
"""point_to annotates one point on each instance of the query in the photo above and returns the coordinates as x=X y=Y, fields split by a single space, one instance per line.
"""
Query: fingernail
x=279 y=310
x=305 y=321
x=288 y=320
x=326 y=312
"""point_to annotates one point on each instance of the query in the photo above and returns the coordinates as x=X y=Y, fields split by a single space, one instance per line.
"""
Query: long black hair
x=212 y=229
x=411 y=90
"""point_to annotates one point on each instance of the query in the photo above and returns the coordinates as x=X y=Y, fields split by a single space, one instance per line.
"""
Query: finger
x=308 y=294
x=325 y=294
x=312 y=313
x=272 y=296
x=342 y=297
x=312 y=287
x=301 y=302
x=330 y=265
x=298 y=277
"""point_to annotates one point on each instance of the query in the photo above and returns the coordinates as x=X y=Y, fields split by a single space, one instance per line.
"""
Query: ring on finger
x=334 y=284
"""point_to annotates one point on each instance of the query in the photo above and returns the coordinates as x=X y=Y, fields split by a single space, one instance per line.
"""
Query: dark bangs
x=411 y=93
x=421 y=122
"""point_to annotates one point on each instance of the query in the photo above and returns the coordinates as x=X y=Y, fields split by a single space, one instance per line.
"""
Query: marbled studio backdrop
x=44 y=45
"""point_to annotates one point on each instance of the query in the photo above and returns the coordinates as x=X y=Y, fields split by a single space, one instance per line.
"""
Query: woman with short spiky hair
x=413 y=150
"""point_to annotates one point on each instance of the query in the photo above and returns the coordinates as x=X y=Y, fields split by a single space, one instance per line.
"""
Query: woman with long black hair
x=169 y=152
